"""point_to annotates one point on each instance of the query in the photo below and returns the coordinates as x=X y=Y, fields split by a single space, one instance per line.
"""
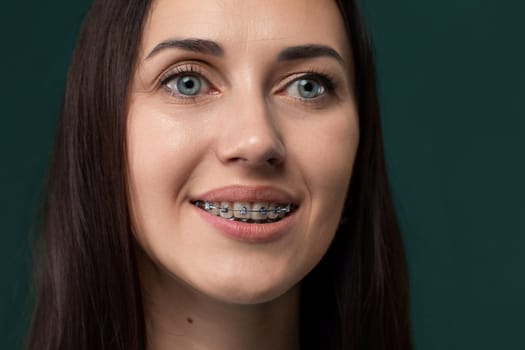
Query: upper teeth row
x=244 y=210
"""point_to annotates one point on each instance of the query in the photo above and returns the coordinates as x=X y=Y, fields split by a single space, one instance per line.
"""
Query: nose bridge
x=250 y=134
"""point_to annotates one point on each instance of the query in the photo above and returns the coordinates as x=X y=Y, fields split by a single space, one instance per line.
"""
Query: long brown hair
x=87 y=287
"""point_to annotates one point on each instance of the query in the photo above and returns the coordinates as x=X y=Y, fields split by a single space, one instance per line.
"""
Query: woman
x=218 y=182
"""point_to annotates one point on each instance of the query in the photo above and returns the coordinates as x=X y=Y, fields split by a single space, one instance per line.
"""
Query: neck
x=178 y=317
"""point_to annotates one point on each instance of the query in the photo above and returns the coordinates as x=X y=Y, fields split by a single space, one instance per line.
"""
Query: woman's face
x=242 y=109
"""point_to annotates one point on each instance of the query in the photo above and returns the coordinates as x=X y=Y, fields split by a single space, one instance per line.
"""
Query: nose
x=250 y=136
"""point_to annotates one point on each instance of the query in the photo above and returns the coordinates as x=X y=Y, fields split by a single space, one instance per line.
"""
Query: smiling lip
x=242 y=231
x=247 y=194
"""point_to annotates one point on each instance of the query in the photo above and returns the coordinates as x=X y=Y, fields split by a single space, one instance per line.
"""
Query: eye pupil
x=309 y=88
x=188 y=85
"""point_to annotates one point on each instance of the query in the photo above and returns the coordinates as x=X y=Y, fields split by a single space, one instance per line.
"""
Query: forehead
x=244 y=25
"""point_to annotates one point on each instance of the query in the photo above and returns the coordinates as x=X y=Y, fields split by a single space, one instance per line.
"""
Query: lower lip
x=250 y=233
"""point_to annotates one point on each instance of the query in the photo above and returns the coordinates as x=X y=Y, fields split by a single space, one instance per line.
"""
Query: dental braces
x=243 y=210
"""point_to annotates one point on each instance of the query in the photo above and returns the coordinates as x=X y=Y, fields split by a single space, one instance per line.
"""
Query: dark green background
x=452 y=87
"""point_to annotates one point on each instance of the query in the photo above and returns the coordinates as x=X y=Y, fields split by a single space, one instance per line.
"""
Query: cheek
x=325 y=156
x=152 y=146
x=326 y=153
x=164 y=147
x=162 y=153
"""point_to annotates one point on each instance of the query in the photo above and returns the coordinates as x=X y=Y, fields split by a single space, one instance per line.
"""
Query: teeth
x=259 y=211
x=272 y=211
x=282 y=211
x=241 y=210
x=226 y=210
x=216 y=208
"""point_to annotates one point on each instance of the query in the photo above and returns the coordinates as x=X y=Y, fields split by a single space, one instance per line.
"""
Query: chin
x=246 y=291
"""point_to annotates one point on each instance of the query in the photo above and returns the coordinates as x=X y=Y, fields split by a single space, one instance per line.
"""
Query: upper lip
x=250 y=194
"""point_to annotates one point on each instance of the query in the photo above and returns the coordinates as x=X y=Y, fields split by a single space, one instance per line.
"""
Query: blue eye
x=306 y=88
x=188 y=85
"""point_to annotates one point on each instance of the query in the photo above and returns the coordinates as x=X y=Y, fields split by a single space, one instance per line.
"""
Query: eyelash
x=187 y=69
x=326 y=80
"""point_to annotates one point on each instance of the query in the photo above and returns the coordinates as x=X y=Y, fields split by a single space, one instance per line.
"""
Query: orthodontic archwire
x=243 y=210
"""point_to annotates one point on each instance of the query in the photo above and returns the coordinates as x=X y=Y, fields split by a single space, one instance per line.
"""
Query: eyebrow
x=209 y=47
x=309 y=51
x=206 y=47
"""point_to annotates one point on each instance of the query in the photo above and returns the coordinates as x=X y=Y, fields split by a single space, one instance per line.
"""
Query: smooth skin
x=241 y=115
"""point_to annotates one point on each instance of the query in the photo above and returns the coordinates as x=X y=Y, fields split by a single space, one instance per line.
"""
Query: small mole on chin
x=190 y=320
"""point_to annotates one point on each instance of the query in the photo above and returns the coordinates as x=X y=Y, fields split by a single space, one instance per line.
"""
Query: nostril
x=274 y=161
x=270 y=161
